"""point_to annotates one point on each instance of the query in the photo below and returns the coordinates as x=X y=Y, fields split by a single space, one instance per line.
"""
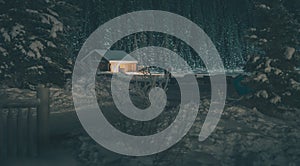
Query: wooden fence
x=24 y=125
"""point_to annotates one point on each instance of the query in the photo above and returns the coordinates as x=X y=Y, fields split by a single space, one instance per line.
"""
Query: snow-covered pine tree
x=37 y=41
x=273 y=75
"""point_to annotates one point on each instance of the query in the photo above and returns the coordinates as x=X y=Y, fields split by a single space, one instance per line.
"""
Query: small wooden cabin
x=117 y=61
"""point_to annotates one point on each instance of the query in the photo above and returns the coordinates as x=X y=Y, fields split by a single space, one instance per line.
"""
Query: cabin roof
x=116 y=55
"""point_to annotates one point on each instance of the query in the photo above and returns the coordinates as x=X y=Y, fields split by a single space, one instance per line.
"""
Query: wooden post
x=42 y=117
x=22 y=133
x=5 y=128
x=12 y=133
x=32 y=133
x=3 y=143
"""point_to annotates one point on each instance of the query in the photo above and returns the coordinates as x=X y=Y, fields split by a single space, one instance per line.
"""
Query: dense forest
x=46 y=36
x=43 y=36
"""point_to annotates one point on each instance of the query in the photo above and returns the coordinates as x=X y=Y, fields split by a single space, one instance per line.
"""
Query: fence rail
x=24 y=125
x=25 y=103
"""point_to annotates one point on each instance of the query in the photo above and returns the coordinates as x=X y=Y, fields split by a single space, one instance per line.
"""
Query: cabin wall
x=116 y=67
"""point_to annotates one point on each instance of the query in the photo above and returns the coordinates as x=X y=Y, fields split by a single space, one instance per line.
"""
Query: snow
x=50 y=19
x=268 y=66
x=67 y=71
x=262 y=93
x=277 y=71
x=289 y=52
x=20 y=47
x=52 y=12
x=295 y=84
x=255 y=59
x=276 y=99
x=253 y=37
x=36 y=68
x=48 y=59
x=16 y=30
x=263 y=40
x=263 y=6
x=57 y=26
x=30 y=54
x=242 y=134
x=261 y=77
x=45 y=20
x=5 y=35
x=51 y=44
x=3 y=51
x=32 y=11
x=70 y=62
x=37 y=46
x=287 y=94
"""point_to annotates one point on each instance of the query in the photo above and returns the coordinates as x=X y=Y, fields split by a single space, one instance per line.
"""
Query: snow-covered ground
x=243 y=136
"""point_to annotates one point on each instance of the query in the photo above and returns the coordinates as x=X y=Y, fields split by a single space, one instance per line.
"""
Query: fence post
x=43 y=116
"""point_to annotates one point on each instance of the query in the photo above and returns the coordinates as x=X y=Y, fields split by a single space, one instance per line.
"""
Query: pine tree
x=273 y=75
x=37 y=42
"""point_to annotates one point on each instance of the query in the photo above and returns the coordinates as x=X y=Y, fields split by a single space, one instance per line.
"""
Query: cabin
x=115 y=61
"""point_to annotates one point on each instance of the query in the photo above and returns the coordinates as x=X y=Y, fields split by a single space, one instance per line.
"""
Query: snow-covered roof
x=116 y=56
